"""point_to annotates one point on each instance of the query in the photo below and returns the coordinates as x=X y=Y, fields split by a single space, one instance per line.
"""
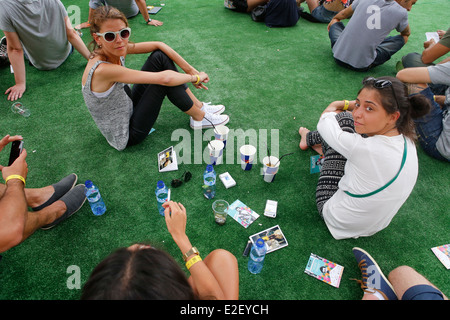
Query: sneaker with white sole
x=3 y=48
x=4 y=61
x=373 y=280
x=213 y=108
x=210 y=120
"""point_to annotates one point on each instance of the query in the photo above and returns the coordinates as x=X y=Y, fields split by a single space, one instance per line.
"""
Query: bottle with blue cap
x=162 y=194
x=209 y=182
x=94 y=197
x=257 y=255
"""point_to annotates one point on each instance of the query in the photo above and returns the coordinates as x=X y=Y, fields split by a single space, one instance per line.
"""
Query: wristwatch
x=191 y=251
x=149 y=20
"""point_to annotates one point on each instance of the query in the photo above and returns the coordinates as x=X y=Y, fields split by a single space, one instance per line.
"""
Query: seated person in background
x=274 y=13
x=432 y=51
x=364 y=42
x=403 y=283
x=247 y=5
x=323 y=10
x=130 y=9
x=51 y=205
x=433 y=129
x=370 y=161
x=41 y=31
x=124 y=116
x=143 y=272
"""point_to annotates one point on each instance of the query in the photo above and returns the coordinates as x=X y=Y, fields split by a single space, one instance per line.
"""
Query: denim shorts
x=322 y=14
x=422 y=292
x=429 y=127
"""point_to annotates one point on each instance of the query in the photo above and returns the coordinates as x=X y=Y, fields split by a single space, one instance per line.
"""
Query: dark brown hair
x=141 y=274
x=410 y=107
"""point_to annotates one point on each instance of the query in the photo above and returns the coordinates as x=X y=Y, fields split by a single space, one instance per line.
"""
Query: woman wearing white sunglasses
x=125 y=116
x=370 y=162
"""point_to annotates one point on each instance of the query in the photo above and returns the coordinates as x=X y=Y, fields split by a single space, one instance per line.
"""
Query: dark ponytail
x=420 y=105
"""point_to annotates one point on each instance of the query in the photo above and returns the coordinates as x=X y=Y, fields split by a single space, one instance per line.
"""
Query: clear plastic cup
x=19 y=108
x=220 y=209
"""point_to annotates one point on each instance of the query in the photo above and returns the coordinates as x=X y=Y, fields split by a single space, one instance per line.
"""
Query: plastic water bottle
x=257 y=255
x=209 y=182
x=161 y=193
x=95 y=199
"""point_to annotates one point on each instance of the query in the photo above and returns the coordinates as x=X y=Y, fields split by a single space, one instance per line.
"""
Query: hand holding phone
x=16 y=150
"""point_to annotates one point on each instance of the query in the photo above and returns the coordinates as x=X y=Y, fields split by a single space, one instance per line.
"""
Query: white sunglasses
x=110 y=36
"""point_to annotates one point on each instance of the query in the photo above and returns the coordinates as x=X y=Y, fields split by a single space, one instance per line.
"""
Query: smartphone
x=16 y=150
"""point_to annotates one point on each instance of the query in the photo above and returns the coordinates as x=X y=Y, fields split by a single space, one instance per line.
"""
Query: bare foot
x=303 y=132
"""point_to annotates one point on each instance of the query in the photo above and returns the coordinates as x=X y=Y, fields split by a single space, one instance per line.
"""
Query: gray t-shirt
x=41 y=29
x=445 y=41
x=371 y=22
x=111 y=112
x=440 y=74
x=128 y=7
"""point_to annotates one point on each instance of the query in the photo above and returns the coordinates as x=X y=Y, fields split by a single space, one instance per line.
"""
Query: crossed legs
x=14 y=229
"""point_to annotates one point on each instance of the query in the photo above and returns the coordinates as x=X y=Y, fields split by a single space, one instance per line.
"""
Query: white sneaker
x=209 y=121
x=211 y=108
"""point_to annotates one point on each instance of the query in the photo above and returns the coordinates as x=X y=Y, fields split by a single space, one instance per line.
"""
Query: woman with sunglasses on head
x=142 y=272
x=125 y=116
x=370 y=162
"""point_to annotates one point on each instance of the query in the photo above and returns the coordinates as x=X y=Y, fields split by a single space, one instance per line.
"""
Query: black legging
x=333 y=162
x=148 y=98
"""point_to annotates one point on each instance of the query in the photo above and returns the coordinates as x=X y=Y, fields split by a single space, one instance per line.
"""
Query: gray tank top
x=111 y=113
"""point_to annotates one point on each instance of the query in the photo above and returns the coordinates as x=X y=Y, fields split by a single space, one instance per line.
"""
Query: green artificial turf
x=268 y=79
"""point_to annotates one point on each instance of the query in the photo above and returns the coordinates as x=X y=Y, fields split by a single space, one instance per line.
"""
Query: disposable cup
x=270 y=168
x=221 y=133
x=220 y=210
x=19 y=108
x=215 y=152
x=247 y=156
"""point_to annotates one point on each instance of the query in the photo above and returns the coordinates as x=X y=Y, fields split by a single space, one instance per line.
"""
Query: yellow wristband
x=346 y=104
x=193 y=261
x=15 y=176
x=198 y=79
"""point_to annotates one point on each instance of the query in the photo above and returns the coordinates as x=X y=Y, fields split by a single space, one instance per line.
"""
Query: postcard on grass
x=443 y=254
x=167 y=160
x=153 y=9
x=273 y=237
x=324 y=270
x=242 y=213
x=316 y=163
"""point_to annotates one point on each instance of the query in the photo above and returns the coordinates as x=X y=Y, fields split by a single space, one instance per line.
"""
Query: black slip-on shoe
x=61 y=188
x=74 y=200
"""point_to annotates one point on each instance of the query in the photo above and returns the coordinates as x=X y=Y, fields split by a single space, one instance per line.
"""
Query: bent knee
x=10 y=238
x=400 y=272
x=223 y=255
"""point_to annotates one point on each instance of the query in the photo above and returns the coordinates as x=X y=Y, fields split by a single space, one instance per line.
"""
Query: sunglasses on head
x=178 y=182
x=381 y=84
x=110 y=36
